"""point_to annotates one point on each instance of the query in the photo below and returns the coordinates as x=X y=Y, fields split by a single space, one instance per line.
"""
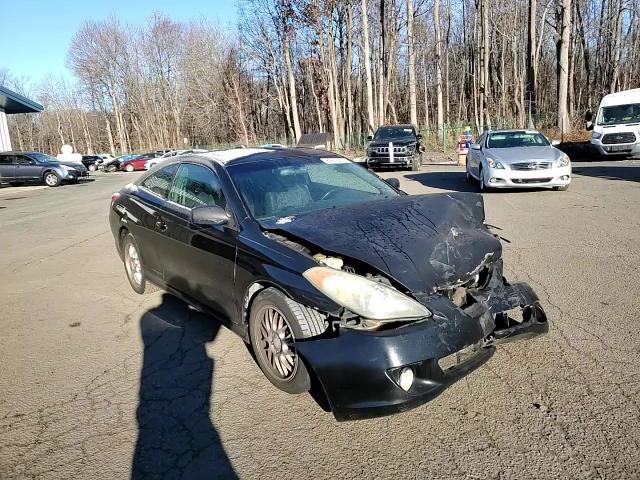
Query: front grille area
x=395 y=150
x=530 y=180
x=616 y=138
x=530 y=166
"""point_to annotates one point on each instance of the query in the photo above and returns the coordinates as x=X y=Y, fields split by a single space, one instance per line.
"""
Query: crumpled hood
x=524 y=154
x=424 y=242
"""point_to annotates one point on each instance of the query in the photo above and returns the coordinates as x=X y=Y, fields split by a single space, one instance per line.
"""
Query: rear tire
x=133 y=266
x=275 y=322
x=129 y=168
x=564 y=188
x=51 y=179
x=92 y=167
x=111 y=168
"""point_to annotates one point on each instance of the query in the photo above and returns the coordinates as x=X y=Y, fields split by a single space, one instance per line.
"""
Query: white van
x=616 y=130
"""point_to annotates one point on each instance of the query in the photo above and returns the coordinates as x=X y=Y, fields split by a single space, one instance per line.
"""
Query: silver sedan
x=517 y=159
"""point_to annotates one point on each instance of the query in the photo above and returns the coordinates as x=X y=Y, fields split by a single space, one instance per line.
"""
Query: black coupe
x=336 y=279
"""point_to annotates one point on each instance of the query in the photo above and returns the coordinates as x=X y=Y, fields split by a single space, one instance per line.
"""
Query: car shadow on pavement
x=629 y=173
x=455 y=181
x=176 y=438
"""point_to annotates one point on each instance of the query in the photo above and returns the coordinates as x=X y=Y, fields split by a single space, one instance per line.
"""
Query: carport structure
x=10 y=103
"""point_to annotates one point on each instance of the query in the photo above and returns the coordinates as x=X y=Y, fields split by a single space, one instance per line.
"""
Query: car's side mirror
x=209 y=215
x=476 y=146
x=394 y=182
x=555 y=143
x=589 y=126
x=419 y=136
x=588 y=116
x=369 y=137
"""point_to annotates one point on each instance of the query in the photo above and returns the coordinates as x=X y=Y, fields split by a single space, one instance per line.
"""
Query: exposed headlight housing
x=596 y=135
x=564 y=160
x=364 y=297
x=494 y=163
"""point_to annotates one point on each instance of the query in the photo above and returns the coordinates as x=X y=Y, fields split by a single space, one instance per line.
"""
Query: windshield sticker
x=283 y=220
x=334 y=160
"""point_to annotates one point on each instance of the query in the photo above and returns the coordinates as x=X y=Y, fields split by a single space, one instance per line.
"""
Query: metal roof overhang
x=12 y=102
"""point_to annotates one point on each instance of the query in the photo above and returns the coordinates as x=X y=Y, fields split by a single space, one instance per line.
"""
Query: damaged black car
x=341 y=284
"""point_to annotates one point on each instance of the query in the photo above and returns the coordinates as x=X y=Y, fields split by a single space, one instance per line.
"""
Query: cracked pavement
x=98 y=382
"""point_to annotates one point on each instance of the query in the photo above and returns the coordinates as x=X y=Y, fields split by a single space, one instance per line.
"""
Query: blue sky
x=35 y=34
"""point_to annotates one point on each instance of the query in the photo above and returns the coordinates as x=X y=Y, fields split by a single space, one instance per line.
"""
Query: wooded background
x=345 y=67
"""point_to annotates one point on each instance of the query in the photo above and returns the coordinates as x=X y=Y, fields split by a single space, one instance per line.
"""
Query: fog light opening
x=406 y=378
x=564 y=177
x=495 y=180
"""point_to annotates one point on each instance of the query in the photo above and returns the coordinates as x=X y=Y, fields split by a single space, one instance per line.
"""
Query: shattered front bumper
x=356 y=368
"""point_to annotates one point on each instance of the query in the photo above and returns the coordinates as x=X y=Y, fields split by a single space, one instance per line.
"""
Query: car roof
x=513 y=130
x=401 y=125
x=237 y=156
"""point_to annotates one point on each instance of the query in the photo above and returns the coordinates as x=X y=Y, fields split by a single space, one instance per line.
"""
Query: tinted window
x=22 y=160
x=516 y=139
x=43 y=158
x=196 y=186
x=283 y=187
x=160 y=182
x=5 y=159
x=394 y=132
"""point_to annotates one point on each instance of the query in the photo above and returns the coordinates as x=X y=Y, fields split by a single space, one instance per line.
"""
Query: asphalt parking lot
x=98 y=382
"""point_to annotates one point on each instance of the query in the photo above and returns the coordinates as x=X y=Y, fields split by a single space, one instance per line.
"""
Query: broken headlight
x=369 y=299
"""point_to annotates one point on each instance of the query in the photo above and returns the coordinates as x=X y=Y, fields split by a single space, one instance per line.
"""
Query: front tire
x=92 y=167
x=111 y=168
x=563 y=188
x=416 y=161
x=51 y=179
x=481 y=185
x=275 y=322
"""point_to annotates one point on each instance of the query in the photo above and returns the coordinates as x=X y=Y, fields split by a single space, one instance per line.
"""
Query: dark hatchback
x=341 y=284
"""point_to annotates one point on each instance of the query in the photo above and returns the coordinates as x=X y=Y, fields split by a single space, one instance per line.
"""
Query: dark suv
x=395 y=146
x=21 y=167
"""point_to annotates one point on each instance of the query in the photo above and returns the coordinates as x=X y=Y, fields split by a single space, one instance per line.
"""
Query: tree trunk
x=531 y=62
x=438 y=40
x=564 y=25
x=367 y=65
x=413 y=108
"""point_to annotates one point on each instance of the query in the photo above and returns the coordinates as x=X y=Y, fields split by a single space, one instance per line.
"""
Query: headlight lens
x=494 y=163
x=364 y=297
x=564 y=160
x=596 y=135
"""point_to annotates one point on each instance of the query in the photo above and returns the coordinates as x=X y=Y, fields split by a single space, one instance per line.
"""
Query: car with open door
x=340 y=283
x=517 y=159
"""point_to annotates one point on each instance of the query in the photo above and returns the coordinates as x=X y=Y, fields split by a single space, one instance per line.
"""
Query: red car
x=135 y=163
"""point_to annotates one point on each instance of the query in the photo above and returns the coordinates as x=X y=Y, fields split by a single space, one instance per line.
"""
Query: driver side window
x=196 y=186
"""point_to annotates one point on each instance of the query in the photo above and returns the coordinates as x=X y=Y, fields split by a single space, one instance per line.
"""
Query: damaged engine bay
x=450 y=263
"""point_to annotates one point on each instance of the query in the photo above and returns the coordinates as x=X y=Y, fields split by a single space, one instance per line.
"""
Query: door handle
x=161 y=225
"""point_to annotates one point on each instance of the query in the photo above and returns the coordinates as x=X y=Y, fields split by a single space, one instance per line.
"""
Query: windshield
x=516 y=139
x=42 y=157
x=619 y=114
x=281 y=188
x=391 y=133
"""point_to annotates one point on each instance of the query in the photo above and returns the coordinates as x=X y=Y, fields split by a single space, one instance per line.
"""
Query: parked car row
x=17 y=168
